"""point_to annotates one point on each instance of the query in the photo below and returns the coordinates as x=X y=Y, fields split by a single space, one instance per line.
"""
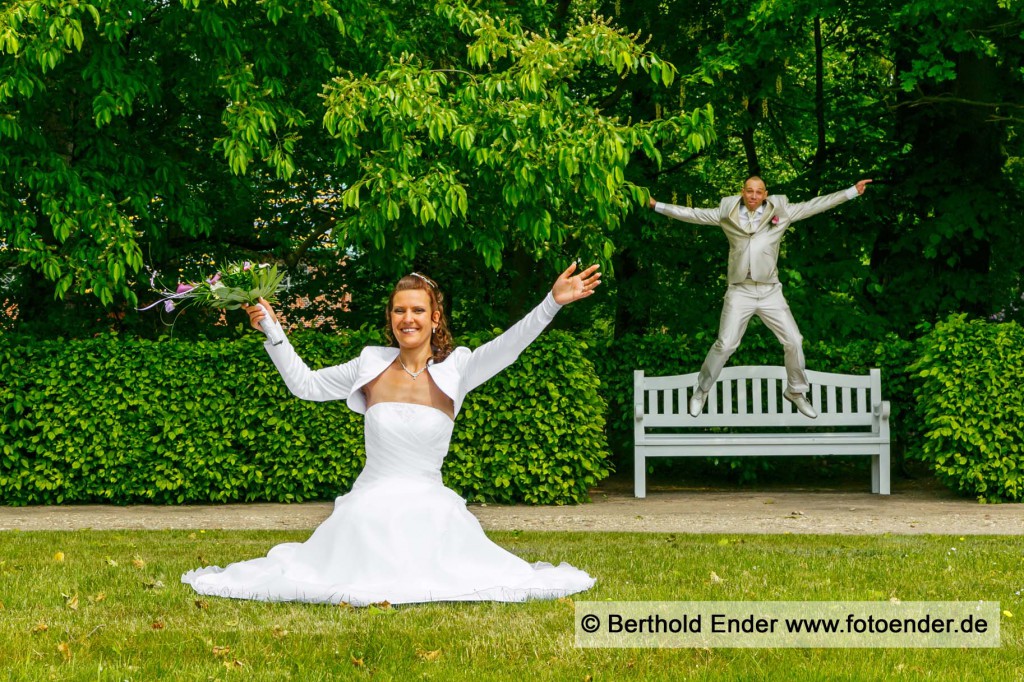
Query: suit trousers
x=743 y=301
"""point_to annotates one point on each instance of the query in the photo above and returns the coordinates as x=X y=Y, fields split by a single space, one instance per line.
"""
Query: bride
x=400 y=535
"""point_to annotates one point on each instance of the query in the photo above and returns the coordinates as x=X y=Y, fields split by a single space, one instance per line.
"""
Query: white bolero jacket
x=457 y=375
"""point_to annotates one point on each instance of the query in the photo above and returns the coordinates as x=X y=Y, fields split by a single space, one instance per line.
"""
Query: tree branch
x=613 y=98
x=673 y=169
x=293 y=258
x=949 y=99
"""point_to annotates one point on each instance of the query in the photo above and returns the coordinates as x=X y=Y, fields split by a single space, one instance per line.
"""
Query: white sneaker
x=697 y=401
x=800 y=400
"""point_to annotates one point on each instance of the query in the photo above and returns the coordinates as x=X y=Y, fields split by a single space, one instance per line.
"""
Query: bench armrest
x=638 y=410
x=882 y=410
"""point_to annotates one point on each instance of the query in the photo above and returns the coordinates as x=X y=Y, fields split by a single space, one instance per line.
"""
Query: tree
x=918 y=95
x=185 y=131
x=957 y=115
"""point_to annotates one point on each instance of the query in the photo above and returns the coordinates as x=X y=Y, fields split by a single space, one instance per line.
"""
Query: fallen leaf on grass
x=71 y=602
x=40 y=627
x=98 y=597
x=380 y=608
x=278 y=632
x=201 y=604
x=151 y=584
x=357 y=662
x=221 y=651
x=58 y=557
x=428 y=655
x=1008 y=614
x=158 y=625
x=65 y=649
x=138 y=563
x=715 y=579
x=112 y=563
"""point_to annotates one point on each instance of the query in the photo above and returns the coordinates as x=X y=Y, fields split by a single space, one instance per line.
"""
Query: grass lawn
x=108 y=605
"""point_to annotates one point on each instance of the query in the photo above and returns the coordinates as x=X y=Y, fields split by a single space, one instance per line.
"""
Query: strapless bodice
x=405 y=440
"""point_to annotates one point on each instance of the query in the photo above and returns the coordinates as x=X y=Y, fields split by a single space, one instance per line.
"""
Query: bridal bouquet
x=235 y=285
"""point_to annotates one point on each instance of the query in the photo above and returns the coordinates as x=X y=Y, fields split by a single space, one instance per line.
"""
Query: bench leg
x=880 y=471
x=639 y=474
x=884 y=465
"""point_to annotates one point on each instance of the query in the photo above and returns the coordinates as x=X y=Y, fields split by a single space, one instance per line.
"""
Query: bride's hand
x=569 y=287
x=256 y=315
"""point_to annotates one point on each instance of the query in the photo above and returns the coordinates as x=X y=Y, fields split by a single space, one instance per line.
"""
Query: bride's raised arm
x=494 y=356
x=329 y=383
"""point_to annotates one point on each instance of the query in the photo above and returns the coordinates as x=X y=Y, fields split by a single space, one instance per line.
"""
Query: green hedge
x=971 y=399
x=168 y=422
x=109 y=420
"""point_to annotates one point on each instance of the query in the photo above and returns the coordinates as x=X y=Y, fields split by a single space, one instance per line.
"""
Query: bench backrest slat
x=752 y=396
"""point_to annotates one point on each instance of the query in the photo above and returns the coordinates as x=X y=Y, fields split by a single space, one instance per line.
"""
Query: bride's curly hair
x=441 y=340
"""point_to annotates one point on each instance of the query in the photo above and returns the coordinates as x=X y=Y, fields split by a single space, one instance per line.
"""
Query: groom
x=755 y=223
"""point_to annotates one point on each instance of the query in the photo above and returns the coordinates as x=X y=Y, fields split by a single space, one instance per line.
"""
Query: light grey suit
x=754 y=287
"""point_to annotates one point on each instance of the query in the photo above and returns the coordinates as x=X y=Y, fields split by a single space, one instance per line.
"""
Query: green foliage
x=112 y=111
x=971 y=402
x=168 y=422
x=180 y=131
x=505 y=147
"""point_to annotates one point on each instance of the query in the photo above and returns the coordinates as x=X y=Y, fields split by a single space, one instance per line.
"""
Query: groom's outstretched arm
x=826 y=202
x=697 y=216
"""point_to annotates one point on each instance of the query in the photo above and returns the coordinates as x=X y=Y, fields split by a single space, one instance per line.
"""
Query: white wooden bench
x=852 y=419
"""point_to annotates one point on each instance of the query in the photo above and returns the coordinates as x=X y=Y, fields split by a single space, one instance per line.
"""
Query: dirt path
x=913 y=508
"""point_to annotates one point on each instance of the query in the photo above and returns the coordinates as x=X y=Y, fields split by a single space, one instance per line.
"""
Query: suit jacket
x=755 y=253
x=457 y=375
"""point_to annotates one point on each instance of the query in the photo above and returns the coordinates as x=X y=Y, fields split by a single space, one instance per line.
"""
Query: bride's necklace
x=409 y=371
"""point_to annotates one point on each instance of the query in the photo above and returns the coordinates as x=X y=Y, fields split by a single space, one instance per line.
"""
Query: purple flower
x=169 y=305
x=214 y=279
x=184 y=288
x=246 y=265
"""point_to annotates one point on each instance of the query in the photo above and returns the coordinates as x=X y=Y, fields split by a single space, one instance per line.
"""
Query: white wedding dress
x=399 y=535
